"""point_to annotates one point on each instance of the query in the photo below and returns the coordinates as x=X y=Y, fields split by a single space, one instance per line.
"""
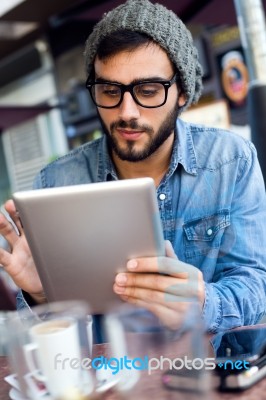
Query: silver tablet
x=81 y=236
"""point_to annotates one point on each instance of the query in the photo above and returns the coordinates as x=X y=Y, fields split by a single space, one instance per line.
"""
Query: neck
x=154 y=166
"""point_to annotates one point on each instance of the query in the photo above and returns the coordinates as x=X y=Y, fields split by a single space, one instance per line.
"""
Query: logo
x=234 y=365
x=138 y=363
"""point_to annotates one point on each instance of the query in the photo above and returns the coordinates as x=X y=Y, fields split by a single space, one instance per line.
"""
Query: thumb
x=169 y=251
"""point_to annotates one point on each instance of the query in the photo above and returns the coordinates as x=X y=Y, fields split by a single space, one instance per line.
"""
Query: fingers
x=14 y=215
x=10 y=207
x=180 y=281
x=18 y=263
x=157 y=282
x=168 y=317
x=4 y=257
x=8 y=231
x=163 y=265
x=163 y=285
x=169 y=292
x=151 y=296
x=169 y=308
x=169 y=251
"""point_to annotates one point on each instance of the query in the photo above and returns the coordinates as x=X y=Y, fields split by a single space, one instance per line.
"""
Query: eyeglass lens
x=147 y=94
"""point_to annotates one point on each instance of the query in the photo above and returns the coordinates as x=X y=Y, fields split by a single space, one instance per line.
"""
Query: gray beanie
x=162 y=26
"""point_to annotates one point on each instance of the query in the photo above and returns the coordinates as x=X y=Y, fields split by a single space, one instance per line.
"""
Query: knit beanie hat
x=162 y=26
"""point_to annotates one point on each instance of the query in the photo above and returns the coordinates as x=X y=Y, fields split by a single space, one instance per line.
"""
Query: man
x=143 y=71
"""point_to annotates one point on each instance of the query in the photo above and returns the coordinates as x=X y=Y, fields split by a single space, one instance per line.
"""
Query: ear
x=181 y=99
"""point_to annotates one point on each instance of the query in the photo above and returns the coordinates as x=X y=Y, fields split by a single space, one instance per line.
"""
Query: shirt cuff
x=24 y=300
x=212 y=309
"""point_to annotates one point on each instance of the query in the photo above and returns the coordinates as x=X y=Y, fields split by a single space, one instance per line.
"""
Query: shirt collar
x=184 y=148
x=106 y=169
x=183 y=153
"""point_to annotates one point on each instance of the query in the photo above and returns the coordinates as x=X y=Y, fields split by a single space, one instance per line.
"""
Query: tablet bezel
x=69 y=228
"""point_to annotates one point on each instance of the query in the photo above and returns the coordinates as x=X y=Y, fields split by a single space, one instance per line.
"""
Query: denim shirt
x=213 y=210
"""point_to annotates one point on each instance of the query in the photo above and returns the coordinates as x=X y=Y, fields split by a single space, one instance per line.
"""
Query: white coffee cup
x=54 y=356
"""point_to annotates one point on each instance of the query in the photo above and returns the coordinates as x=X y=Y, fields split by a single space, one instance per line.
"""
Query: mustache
x=130 y=125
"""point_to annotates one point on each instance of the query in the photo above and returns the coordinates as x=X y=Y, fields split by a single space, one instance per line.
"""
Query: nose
x=128 y=109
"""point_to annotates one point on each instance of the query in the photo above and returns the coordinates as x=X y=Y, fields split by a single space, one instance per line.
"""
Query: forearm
x=25 y=300
x=234 y=301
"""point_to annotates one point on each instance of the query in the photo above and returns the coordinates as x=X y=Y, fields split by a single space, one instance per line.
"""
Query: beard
x=129 y=152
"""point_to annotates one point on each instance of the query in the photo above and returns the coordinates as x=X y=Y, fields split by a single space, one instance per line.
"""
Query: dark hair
x=123 y=40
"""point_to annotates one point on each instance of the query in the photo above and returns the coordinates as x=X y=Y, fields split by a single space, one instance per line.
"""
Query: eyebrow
x=136 y=80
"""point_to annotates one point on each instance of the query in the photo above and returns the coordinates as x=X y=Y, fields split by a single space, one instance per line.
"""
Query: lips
x=129 y=134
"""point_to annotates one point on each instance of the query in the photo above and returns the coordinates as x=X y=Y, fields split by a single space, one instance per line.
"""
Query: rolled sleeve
x=236 y=296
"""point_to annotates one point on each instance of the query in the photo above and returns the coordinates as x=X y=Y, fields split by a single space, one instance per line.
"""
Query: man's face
x=136 y=132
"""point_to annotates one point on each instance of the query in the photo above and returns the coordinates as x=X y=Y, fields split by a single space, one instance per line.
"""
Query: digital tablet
x=81 y=236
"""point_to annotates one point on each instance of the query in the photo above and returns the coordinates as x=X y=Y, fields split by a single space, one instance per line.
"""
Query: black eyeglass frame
x=130 y=88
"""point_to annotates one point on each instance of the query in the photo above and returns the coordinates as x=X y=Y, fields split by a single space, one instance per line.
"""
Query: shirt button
x=162 y=196
x=209 y=232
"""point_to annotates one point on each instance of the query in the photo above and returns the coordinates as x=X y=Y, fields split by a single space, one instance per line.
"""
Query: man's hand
x=18 y=263
x=163 y=285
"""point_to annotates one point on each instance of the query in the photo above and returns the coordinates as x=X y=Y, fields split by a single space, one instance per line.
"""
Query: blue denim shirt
x=213 y=211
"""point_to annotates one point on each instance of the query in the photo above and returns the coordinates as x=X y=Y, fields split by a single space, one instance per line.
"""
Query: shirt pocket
x=202 y=236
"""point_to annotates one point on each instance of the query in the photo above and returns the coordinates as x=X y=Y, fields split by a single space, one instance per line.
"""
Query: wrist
x=34 y=299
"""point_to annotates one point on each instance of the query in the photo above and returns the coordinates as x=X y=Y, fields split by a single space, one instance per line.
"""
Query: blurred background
x=45 y=109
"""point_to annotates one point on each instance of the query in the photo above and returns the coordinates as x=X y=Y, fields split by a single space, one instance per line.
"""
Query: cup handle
x=33 y=368
x=117 y=339
x=89 y=323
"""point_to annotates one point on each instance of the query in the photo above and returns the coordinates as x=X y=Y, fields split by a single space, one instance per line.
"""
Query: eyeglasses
x=148 y=94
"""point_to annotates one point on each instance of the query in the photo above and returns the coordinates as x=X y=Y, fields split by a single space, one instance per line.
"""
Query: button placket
x=165 y=206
